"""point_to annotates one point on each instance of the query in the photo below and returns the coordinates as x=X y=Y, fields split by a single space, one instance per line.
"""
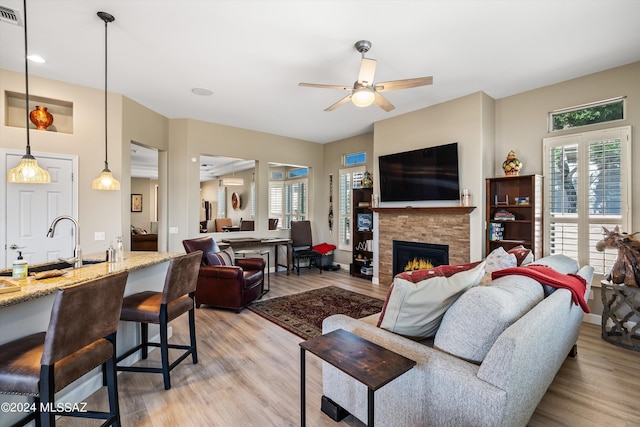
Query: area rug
x=303 y=313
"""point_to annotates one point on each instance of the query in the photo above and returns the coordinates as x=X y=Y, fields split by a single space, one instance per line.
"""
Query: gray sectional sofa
x=494 y=355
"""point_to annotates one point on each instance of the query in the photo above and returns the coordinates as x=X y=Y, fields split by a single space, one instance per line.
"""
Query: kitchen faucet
x=77 y=252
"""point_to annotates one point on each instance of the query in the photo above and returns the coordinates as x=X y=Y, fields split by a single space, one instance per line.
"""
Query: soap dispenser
x=119 y=249
x=111 y=253
x=20 y=267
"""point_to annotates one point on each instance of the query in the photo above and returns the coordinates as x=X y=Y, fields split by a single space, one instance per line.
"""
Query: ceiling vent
x=9 y=15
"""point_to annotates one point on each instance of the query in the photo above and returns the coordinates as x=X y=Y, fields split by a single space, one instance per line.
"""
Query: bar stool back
x=81 y=336
x=176 y=298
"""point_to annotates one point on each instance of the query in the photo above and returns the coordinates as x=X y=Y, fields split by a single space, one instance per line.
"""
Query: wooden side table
x=372 y=365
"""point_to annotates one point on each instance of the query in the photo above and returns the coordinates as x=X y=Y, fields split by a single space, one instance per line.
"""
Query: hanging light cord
x=106 y=163
x=26 y=80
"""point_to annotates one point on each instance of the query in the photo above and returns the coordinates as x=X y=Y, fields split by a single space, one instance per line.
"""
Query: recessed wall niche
x=62 y=111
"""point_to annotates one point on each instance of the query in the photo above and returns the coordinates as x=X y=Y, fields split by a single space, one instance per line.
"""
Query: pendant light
x=27 y=171
x=105 y=181
x=233 y=180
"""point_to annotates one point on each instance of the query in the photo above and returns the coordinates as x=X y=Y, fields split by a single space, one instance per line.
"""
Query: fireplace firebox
x=416 y=255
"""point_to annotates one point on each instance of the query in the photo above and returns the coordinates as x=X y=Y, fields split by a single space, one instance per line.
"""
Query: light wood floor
x=248 y=375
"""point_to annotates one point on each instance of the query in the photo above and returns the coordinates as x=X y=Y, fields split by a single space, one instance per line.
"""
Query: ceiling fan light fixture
x=363 y=97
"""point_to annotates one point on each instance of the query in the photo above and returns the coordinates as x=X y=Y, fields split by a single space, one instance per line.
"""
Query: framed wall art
x=136 y=203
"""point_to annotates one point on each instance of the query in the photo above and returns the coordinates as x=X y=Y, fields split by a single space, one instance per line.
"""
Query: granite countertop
x=30 y=288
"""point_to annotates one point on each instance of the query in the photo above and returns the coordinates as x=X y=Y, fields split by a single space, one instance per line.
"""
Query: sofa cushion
x=473 y=323
x=417 y=300
x=560 y=263
x=222 y=258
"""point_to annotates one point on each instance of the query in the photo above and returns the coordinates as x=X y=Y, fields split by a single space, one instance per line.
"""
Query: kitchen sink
x=55 y=265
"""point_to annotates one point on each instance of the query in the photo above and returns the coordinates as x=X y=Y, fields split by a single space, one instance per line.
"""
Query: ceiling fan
x=364 y=91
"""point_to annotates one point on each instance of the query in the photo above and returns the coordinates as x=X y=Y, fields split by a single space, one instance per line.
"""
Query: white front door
x=30 y=209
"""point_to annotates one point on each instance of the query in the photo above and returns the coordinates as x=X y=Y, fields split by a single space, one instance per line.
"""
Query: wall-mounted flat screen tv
x=426 y=174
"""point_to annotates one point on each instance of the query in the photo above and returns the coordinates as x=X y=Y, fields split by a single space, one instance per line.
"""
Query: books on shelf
x=503 y=215
x=496 y=231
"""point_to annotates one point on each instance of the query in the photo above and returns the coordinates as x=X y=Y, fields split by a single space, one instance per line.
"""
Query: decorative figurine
x=512 y=165
x=367 y=182
x=626 y=269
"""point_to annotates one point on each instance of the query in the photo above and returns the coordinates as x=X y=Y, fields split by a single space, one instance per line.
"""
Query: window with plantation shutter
x=221 y=211
x=587 y=180
x=276 y=200
x=252 y=206
x=349 y=178
x=288 y=201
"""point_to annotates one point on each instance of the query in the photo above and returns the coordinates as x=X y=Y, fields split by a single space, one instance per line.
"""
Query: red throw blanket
x=548 y=276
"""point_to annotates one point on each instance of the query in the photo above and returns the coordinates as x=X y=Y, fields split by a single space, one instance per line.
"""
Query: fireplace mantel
x=440 y=210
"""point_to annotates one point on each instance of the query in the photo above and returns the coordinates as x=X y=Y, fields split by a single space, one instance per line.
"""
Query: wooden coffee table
x=372 y=365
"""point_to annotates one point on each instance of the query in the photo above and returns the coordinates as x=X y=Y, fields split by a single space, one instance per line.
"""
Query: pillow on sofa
x=473 y=323
x=417 y=300
x=499 y=259
x=523 y=255
x=222 y=258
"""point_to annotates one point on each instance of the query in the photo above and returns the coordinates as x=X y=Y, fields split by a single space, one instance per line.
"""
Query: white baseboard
x=594 y=319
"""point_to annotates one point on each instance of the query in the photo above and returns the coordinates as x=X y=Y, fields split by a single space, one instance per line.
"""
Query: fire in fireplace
x=416 y=255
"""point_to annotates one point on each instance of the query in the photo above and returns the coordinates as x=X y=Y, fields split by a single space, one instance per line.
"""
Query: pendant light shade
x=27 y=171
x=233 y=180
x=105 y=181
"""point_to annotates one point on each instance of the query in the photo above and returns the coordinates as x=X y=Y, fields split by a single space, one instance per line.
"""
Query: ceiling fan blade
x=403 y=84
x=339 y=103
x=325 y=86
x=367 y=71
x=382 y=102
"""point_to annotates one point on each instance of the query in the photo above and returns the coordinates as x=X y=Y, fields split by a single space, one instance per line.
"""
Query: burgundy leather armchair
x=226 y=286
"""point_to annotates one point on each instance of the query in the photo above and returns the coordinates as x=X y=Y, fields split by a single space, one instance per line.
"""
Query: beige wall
x=188 y=139
x=333 y=154
x=98 y=211
x=146 y=187
x=521 y=120
x=521 y=124
x=244 y=212
x=149 y=129
x=469 y=122
x=486 y=130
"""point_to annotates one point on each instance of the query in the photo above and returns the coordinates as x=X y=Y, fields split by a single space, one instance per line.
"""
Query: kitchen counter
x=28 y=311
x=30 y=288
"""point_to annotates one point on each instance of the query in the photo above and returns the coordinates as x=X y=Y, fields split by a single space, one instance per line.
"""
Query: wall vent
x=9 y=15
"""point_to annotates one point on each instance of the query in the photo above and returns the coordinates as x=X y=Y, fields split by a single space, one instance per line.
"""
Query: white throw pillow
x=417 y=300
x=499 y=259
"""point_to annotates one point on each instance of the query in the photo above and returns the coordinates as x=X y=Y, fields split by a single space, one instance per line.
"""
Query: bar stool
x=81 y=336
x=160 y=308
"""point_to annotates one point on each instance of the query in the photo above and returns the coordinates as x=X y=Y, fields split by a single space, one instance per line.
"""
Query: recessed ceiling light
x=36 y=58
x=201 y=91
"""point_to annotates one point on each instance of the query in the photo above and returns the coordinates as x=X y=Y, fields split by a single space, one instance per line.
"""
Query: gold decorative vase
x=41 y=117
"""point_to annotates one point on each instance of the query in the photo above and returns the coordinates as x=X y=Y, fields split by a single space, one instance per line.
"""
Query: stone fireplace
x=417 y=255
x=438 y=225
